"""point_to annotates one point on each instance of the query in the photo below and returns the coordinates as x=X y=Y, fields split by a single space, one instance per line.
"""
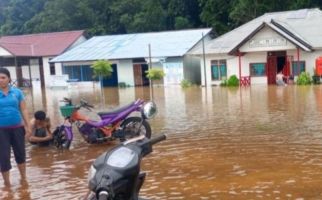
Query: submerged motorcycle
x=116 y=124
x=116 y=175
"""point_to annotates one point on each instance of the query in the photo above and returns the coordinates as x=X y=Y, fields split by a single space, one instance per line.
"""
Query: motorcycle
x=116 y=124
x=116 y=175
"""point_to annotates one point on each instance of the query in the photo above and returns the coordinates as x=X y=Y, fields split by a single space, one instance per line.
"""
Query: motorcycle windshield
x=121 y=157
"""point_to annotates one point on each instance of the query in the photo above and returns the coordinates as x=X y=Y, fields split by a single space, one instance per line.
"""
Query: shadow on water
x=223 y=143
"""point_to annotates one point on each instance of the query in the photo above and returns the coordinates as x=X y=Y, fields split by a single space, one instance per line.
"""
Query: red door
x=271 y=69
x=137 y=69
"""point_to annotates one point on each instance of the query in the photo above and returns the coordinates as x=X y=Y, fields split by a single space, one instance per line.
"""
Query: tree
x=215 y=13
x=154 y=74
x=102 y=69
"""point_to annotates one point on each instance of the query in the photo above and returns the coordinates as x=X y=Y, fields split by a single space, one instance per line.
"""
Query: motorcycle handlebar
x=158 y=139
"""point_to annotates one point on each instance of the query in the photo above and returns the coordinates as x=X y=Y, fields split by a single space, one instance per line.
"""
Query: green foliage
x=224 y=82
x=316 y=79
x=100 y=17
x=102 y=68
x=304 y=79
x=185 y=83
x=233 y=81
x=123 y=85
x=155 y=74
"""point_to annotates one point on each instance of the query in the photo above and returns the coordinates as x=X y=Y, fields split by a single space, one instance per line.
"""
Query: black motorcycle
x=116 y=175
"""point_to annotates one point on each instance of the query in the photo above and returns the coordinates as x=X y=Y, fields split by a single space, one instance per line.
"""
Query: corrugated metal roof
x=42 y=44
x=306 y=24
x=111 y=47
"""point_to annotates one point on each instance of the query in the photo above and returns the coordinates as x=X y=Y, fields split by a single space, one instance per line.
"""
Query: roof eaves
x=299 y=42
x=201 y=39
x=248 y=37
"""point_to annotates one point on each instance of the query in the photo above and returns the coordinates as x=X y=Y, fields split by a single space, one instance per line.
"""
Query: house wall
x=173 y=69
x=308 y=57
x=46 y=67
x=125 y=72
x=77 y=42
x=255 y=57
x=4 y=52
x=267 y=40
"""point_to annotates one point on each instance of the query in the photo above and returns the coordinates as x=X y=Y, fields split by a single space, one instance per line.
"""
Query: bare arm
x=25 y=116
x=33 y=138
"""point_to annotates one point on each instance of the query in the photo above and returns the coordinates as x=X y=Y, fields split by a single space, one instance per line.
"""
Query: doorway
x=140 y=78
x=276 y=62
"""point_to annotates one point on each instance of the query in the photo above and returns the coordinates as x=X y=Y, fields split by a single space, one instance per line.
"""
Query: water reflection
x=223 y=143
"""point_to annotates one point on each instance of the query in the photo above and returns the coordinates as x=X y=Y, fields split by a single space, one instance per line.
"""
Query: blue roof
x=128 y=46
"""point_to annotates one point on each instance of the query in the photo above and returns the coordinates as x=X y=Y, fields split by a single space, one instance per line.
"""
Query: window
x=52 y=69
x=79 y=72
x=298 y=67
x=218 y=69
x=257 y=69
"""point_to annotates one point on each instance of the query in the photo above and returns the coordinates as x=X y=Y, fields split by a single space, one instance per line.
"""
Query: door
x=137 y=69
x=271 y=69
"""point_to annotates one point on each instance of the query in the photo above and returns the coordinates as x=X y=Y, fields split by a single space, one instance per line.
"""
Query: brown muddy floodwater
x=259 y=142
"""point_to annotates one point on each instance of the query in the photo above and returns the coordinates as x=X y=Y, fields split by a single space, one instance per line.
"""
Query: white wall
x=77 y=42
x=267 y=40
x=308 y=57
x=4 y=52
x=254 y=57
x=125 y=72
x=173 y=69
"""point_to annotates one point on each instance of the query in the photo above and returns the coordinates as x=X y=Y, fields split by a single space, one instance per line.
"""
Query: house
x=289 y=42
x=27 y=56
x=130 y=55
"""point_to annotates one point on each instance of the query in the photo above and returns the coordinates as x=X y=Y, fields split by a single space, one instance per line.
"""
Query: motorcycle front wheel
x=132 y=127
x=60 y=139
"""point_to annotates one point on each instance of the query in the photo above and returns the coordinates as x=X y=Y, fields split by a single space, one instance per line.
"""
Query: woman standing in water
x=13 y=113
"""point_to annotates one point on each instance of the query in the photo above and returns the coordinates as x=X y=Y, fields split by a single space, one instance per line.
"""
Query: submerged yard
x=258 y=142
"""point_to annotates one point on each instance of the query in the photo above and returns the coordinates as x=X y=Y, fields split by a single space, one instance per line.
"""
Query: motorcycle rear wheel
x=131 y=128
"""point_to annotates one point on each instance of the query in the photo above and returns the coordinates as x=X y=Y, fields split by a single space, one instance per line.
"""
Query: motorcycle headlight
x=91 y=173
x=149 y=110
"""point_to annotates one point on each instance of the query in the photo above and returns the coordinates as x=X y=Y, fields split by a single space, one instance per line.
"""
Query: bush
x=224 y=82
x=233 y=81
x=304 y=79
x=123 y=85
x=185 y=83
x=155 y=74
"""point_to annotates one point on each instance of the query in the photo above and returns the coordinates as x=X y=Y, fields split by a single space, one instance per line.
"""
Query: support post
x=204 y=60
x=150 y=81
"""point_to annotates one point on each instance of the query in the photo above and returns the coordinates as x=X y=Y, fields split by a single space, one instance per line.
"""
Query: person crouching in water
x=40 y=127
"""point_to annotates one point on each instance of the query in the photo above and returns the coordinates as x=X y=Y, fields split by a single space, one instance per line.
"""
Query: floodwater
x=258 y=142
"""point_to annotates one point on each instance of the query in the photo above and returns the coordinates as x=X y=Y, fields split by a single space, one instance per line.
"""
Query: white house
x=289 y=42
x=130 y=55
x=27 y=56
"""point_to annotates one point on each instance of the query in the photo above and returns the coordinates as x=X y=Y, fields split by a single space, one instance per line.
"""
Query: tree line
x=101 y=17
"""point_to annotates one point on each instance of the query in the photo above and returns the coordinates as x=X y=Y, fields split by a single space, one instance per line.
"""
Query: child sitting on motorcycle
x=40 y=126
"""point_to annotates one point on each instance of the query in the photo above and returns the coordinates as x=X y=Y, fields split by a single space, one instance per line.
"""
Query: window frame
x=295 y=62
x=217 y=64
x=250 y=69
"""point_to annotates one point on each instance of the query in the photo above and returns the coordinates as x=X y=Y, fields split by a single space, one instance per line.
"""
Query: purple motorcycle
x=115 y=124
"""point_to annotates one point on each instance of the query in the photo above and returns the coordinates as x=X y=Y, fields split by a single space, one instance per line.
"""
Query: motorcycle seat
x=117 y=110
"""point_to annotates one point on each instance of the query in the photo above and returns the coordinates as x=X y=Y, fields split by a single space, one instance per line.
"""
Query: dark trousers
x=15 y=138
